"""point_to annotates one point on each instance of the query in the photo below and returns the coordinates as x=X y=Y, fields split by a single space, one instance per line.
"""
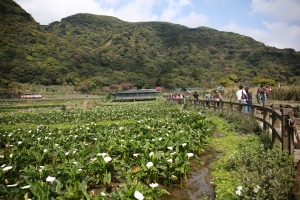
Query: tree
x=263 y=81
x=87 y=86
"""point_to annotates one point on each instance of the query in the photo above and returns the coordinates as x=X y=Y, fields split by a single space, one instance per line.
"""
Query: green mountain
x=92 y=51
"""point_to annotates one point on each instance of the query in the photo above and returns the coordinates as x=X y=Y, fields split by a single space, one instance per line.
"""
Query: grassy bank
x=249 y=167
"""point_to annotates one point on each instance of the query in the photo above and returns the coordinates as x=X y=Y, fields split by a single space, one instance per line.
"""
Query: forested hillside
x=92 y=51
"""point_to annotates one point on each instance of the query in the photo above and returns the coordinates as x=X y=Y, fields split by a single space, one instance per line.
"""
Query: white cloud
x=46 y=11
x=137 y=11
x=173 y=12
x=193 y=20
x=282 y=35
x=287 y=10
x=278 y=34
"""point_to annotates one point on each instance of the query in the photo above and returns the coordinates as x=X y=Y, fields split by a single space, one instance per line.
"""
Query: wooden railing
x=275 y=118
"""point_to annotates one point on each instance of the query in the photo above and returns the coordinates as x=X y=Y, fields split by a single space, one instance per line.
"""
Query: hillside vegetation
x=99 y=52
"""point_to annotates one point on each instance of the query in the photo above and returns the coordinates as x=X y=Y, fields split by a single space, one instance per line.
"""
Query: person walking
x=249 y=100
x=258 y=96
x=262 y=94
x=242 y=96
x=218 y=98
x=196 y=95
x=207 y=98
x=267 y=89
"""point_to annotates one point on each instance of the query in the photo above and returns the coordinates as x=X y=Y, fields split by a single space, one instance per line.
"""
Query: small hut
x=136 y=95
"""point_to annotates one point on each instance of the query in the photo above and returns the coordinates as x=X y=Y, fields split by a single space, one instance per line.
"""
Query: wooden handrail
x=282 y=124
x=274 y=117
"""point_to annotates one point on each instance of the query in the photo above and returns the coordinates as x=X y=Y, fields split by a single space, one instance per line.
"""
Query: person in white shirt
x=207 y=98
x=242 y=97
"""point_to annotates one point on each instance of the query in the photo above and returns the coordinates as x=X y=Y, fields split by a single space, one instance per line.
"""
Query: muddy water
x=198 y=184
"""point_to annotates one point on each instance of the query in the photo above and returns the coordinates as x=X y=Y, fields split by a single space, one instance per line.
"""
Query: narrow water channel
x=198 y=184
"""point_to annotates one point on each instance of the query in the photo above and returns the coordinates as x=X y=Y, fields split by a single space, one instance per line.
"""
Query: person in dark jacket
x=249 y=100
x=196 y=95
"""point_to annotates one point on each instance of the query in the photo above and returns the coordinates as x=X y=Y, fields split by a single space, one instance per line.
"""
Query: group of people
x=174 y=96
x=245 y=96
x=262 y=94
x=217 y=97
x=177 y=95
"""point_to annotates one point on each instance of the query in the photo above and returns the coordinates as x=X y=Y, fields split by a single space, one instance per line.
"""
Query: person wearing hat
x=217 y=97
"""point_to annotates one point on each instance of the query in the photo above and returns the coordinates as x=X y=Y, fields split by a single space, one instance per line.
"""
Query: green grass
x=248 y=162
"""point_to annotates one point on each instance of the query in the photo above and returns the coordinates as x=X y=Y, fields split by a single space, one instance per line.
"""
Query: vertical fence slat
x=287 y=132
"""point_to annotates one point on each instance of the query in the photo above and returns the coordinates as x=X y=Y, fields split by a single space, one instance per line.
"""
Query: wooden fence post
x=287 y=131
x=276 y=127
x=265 y=116
x=215 y=105
x=221 y=105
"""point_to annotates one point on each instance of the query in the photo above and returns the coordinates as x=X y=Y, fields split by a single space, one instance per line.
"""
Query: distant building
x=136 y=95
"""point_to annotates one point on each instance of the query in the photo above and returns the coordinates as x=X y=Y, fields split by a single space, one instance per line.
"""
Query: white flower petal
x=149 y=164
x=153 y=185
x=13 y=185
x=190 y=155
x=138 y=195
x=50 y=179
x=7 y=168
x=107 y=159
x=25 y=187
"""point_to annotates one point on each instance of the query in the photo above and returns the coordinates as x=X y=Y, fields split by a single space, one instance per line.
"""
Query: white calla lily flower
x=138 y=195
x=13 y=185
x=153 y=185
x=25 y=187
x=7 y=168
x=107 y=159
x=50 y=179
x=190 y=155
x=102 y=154
x=149 y=165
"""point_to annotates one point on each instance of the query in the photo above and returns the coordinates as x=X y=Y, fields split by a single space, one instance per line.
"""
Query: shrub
x=243 y=123
x=254 y=172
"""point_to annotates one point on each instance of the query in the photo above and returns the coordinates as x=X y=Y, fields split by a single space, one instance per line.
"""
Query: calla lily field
x=117 y=151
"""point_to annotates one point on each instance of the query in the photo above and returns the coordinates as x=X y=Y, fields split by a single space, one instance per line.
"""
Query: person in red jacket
x=266 y=93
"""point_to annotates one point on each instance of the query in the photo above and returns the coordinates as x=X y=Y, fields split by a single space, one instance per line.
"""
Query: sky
x=276 y=23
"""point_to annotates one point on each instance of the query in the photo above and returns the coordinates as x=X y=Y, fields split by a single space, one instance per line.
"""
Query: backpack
x=262 y=91
x=244 y=96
